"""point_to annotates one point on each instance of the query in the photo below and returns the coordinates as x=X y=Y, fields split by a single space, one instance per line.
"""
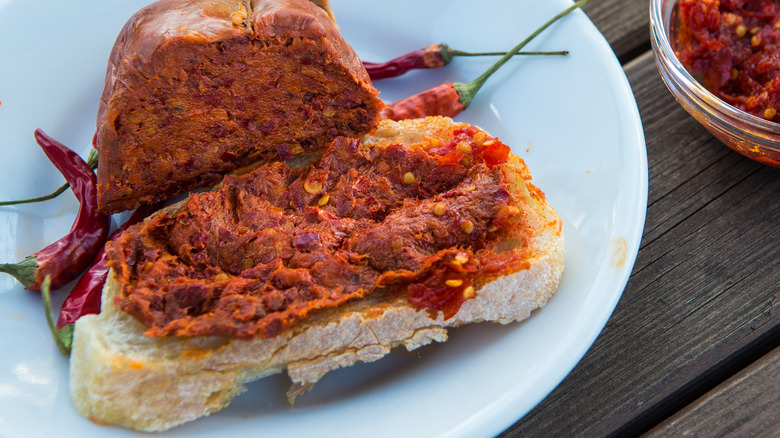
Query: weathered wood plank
x=701 y=295
x=748 y=404
x=624 y=23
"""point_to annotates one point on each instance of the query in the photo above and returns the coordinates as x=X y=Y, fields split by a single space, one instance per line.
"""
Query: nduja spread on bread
x=399 y=231
x=387 y=241
x=197 y=88
x=271 y=247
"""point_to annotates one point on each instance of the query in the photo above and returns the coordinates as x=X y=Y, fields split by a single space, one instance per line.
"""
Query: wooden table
x=694 y=343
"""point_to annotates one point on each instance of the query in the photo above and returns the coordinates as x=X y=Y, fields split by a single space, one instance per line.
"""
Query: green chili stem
x=461 y=53
x=51 y=195
x=92 y=160
x=467 y=91
x=64 y=337
x=23 y=271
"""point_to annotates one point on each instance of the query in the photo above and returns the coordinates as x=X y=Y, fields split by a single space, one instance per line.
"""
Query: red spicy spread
x=733 y=48
x=273 y=246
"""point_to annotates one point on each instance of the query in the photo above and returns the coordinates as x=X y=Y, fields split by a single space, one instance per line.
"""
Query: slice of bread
x=121 y=376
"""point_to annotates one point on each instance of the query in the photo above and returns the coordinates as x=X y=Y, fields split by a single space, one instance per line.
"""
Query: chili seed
x=397 y=244
x=408 y=178
x=468 y=293
x=479 y=138
x=177 y=104
x=453 y=282
x=464 y=147
x=324 y=200
x=777 y=24
x=755 y=41
x=219 y=114
x=467 y=227
x=221 y=277
x=312 y=187
x=328 y=112
x=492 y=228
x=489 y=142
x=734 y=73
x=770 y=113
x=461 y=259
x=729 y=18
x=237 y=18
x=439 y=209
x=755 y=30
x=740 y=31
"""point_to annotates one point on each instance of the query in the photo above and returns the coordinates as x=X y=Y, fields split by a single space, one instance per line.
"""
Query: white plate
x=573 y=119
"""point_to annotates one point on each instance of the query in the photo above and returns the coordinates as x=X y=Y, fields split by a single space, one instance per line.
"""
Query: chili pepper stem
x=92 y=161
x=92 y=158
x=542 y=53
x=467 y=91
x=51 y=195
x=23 y=271
x=63 y=337
x=454 y=53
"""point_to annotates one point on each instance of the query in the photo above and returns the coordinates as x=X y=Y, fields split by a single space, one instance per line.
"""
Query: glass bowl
x=749 y=135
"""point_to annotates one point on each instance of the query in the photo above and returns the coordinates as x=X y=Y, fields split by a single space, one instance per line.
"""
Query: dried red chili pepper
x=450 y=99
x=84 y=298
x=432 y=56
x=65 y=259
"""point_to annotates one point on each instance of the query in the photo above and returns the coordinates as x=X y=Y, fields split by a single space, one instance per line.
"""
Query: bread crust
x=114 y=365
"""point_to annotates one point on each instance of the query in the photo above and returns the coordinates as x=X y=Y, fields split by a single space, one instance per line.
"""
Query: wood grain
x=624 y=24
x=699 y=304
x=748 y=404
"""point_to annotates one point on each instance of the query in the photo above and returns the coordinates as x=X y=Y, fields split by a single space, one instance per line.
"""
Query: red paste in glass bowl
x=733 y=48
